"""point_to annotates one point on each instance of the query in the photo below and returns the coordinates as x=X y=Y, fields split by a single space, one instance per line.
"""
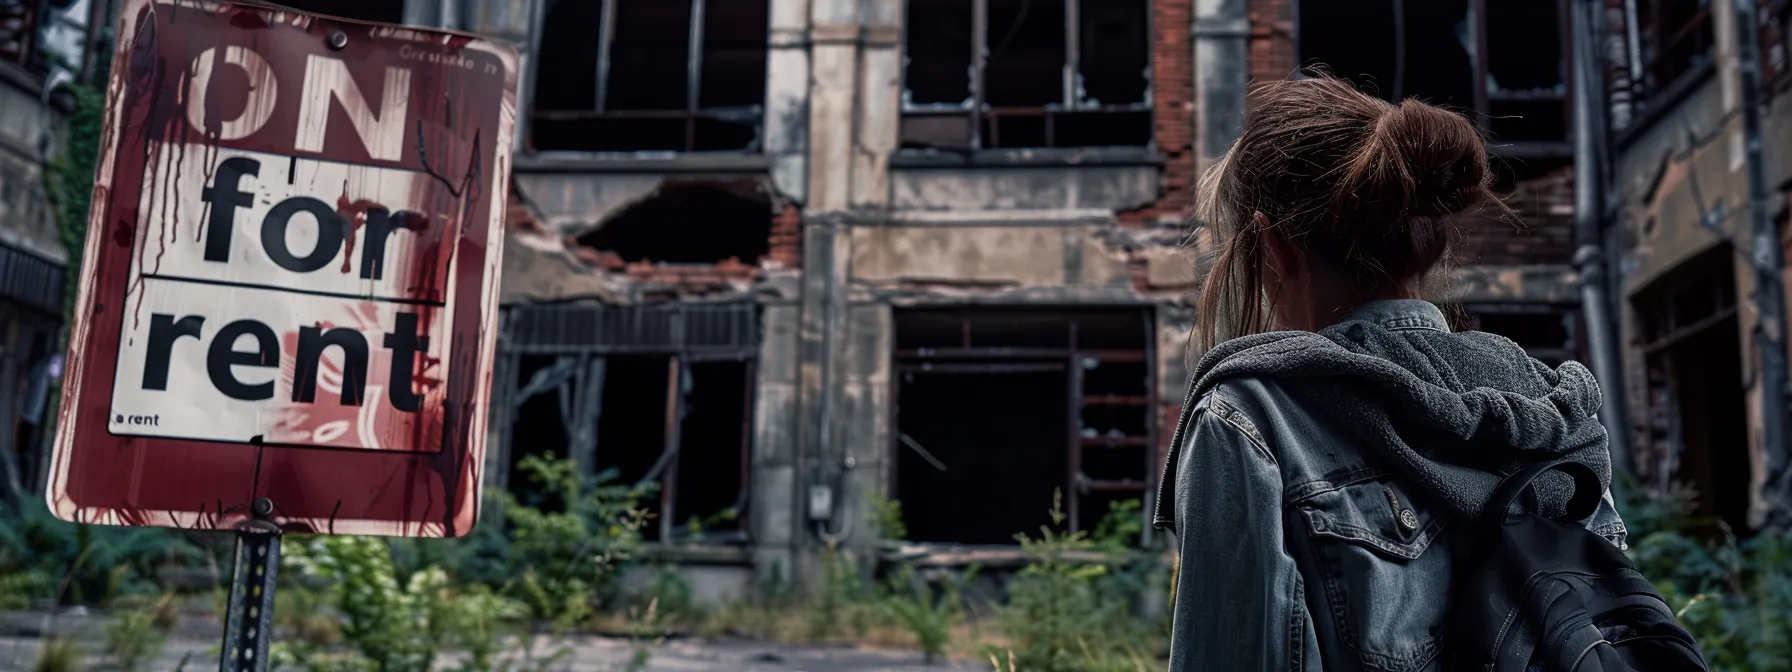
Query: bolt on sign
x=290 y=283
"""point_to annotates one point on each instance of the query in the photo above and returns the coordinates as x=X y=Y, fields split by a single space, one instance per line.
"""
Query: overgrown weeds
x=1734 y=595
x=1057 y=617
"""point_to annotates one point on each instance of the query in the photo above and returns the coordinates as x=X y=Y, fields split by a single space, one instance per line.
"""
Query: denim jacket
x=1297 y=550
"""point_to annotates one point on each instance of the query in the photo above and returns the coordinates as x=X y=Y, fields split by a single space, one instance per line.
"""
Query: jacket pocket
x=1384 y=569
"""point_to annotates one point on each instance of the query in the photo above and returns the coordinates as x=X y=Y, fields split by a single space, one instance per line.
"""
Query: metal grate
x=690 y=328
x=30 y=279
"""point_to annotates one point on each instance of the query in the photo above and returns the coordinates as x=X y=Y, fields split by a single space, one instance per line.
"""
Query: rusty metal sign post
x=288 y=304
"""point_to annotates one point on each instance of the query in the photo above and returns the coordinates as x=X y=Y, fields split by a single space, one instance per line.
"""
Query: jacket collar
x=1393 y=314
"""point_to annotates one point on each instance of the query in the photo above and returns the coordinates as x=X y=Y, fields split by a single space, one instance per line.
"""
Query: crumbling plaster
x=1114 y=188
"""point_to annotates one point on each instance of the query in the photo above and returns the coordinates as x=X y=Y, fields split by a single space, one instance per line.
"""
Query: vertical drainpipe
x=1589 y=228
x=1765 y=258
x=1220 y=31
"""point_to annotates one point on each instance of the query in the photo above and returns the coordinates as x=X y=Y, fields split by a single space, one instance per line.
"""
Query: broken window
x=656 y=395
x=1516 y=87
x=691 y=223
x=1696 y=431
x=1674 y=37
x=651 y=75
x=1039 y=402
x=383 y=11
x=985 y=74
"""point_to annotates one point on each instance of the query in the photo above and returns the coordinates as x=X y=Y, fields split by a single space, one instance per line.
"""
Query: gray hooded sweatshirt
x=1315 y=475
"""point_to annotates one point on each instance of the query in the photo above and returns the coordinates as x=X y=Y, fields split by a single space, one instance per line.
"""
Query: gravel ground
x=195 y=641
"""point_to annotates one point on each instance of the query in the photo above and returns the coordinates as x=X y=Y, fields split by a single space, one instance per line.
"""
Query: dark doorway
x=1706 y=370
x=1698 y=430
x=996 y=438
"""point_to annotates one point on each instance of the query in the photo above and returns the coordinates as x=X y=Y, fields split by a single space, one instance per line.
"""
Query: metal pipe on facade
x=1589 y=229
x=1765 y=259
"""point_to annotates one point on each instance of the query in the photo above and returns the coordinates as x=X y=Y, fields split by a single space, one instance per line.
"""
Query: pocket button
x=1409 y=520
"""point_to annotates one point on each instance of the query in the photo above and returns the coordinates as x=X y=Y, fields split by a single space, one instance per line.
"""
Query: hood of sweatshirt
x=1452 y=411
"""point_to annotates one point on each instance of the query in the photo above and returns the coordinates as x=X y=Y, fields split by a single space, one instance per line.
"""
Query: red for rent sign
x=290 y=283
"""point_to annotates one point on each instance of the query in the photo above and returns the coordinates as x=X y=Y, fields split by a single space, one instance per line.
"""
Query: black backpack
x=1535 y=594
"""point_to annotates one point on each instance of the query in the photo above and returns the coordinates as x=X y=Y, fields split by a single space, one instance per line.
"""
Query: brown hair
x=1370 y=189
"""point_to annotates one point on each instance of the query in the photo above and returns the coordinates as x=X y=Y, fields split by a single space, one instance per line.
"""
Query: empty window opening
x=383 y=11
x=1026 y=73
x=1697 y=430
x=537 y=424
x=1432 y=51
x=711 y=489
x=657 y=392
x=628 y=410
x=984 y=426
x=651 y=75
x=1675 y=37
x=691 y=223
x=1039 y=401
x=631 y=430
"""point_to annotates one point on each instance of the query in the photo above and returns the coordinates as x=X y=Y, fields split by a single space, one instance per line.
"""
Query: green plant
x=59 y=654
x=1057 y=618
x=889 y=518
x=138 y=631
x=695 y=527
x=572 y=542
x=643 y=629
x=844 y=601
x=46 y=559
x=927 y=616
x=668 y=590
x=68 y=179
x=1735 y=596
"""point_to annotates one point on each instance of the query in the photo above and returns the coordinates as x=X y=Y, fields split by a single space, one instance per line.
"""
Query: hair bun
x=1419 y=160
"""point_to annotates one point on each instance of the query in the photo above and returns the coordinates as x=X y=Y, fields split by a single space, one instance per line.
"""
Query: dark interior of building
x=649 y=76
x=1426 y=50
x=984 y=426
x=703 y=481
x=1039 y=401
x=1694 y=365
x=691 y=223
x=1024 y=103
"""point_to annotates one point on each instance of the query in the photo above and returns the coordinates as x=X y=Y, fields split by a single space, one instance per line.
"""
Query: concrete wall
x=1685 y=185
x=29 y=128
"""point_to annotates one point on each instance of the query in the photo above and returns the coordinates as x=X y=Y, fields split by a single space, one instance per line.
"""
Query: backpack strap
x=1586 y=498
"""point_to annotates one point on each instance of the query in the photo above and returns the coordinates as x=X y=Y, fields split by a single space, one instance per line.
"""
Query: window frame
x=692 y=113
x=1484 y=99
x=975 y=110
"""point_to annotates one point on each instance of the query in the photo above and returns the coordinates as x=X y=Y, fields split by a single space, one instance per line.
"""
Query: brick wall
x=1173 y=96
x=1272 y=40
x=786 y=239
x=1545 y=207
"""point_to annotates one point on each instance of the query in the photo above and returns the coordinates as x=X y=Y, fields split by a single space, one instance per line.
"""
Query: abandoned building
x=793 y=258
x=1679 y=143
x=40 y=44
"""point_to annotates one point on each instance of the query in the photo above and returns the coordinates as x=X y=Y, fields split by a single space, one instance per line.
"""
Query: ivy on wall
x=69 y=177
